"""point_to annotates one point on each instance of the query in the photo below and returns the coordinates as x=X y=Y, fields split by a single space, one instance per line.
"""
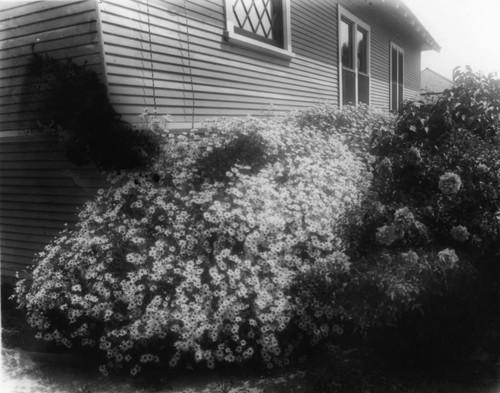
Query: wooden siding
x=61 y=29
x=175 y=55
x=172 y=54
x=40 y=190
x=168 y=53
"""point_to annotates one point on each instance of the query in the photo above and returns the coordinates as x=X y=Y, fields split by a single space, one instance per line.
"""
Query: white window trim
x=247 y=42
x=342 y=12
x=399 y=50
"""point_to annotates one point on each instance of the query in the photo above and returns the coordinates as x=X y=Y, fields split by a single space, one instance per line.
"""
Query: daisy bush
x=352 y=125
x=205 y=258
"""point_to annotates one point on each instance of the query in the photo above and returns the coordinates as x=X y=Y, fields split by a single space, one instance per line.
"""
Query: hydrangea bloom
x=450 y=183
x=460 y=233
x=414 y=156
x=448 y=257
x=386 y=235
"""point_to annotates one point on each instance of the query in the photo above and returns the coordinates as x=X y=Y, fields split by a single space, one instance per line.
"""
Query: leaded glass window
x=259 y=19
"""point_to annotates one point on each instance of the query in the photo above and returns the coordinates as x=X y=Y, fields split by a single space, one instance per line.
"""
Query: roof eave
x=426 y=39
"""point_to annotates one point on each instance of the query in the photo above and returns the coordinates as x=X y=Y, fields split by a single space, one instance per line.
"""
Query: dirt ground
x=25 y=372
x=28 y=367
x=28 y=372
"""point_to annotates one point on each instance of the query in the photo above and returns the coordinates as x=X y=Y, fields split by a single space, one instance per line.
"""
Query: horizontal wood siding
x=61 y=29
x=40 y=190
x=173 y=53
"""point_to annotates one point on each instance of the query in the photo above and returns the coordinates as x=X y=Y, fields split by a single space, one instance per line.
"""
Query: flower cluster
x=444 y=163
x=450 y=183
x=448 y=257
x=353 y=125
x=460 y=233
x=403 y=225
x=171 y=267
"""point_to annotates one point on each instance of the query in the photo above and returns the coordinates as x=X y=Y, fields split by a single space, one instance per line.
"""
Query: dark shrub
x=441 y=163
x=73 y=104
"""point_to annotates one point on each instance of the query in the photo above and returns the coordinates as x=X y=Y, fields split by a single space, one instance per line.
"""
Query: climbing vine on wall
x=71 y=102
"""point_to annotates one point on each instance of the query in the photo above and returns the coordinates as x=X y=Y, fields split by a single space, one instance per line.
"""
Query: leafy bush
x=436 y=187
x=262 y=238
x=441 y=160
x=72 y=104
x=201 y=259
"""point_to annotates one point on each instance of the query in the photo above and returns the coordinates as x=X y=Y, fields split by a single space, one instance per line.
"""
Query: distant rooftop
x=432 y=82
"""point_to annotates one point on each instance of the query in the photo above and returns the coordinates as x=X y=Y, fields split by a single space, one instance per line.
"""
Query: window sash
x=281 y=48
x=354 y=59
x=362 y=43
x=347 y=43
x=260 y=19
x=396 y=77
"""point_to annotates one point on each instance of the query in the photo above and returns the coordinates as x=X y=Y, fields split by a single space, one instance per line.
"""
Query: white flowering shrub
x=353 y=125
x=204 y=258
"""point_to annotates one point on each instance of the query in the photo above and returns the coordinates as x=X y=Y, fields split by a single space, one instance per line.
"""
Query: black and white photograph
x=250 y=196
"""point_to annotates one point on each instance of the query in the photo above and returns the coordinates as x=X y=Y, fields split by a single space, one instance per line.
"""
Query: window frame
x=357 y=23
x=245 y=40
x=400 y=51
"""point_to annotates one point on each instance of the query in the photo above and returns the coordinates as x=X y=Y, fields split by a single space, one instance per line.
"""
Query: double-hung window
x=263 y=25
x=354 y=55
x=397 y=66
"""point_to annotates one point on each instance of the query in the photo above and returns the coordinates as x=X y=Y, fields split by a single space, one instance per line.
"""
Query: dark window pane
x=348 y=87
x=362 y=37
x=400 y=68
x=394 y=96
x=394 y=66
x=363 y=89
x=346 y=44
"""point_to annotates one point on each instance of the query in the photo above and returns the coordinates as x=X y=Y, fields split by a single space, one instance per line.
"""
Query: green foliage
x=472 y=105
x=439 y=165
x=475 y=102
x=441 y=160
x=263 y=238
x=72 y=103
x=244 y=150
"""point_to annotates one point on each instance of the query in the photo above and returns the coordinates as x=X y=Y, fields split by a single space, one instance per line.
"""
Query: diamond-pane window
x=260 y=19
